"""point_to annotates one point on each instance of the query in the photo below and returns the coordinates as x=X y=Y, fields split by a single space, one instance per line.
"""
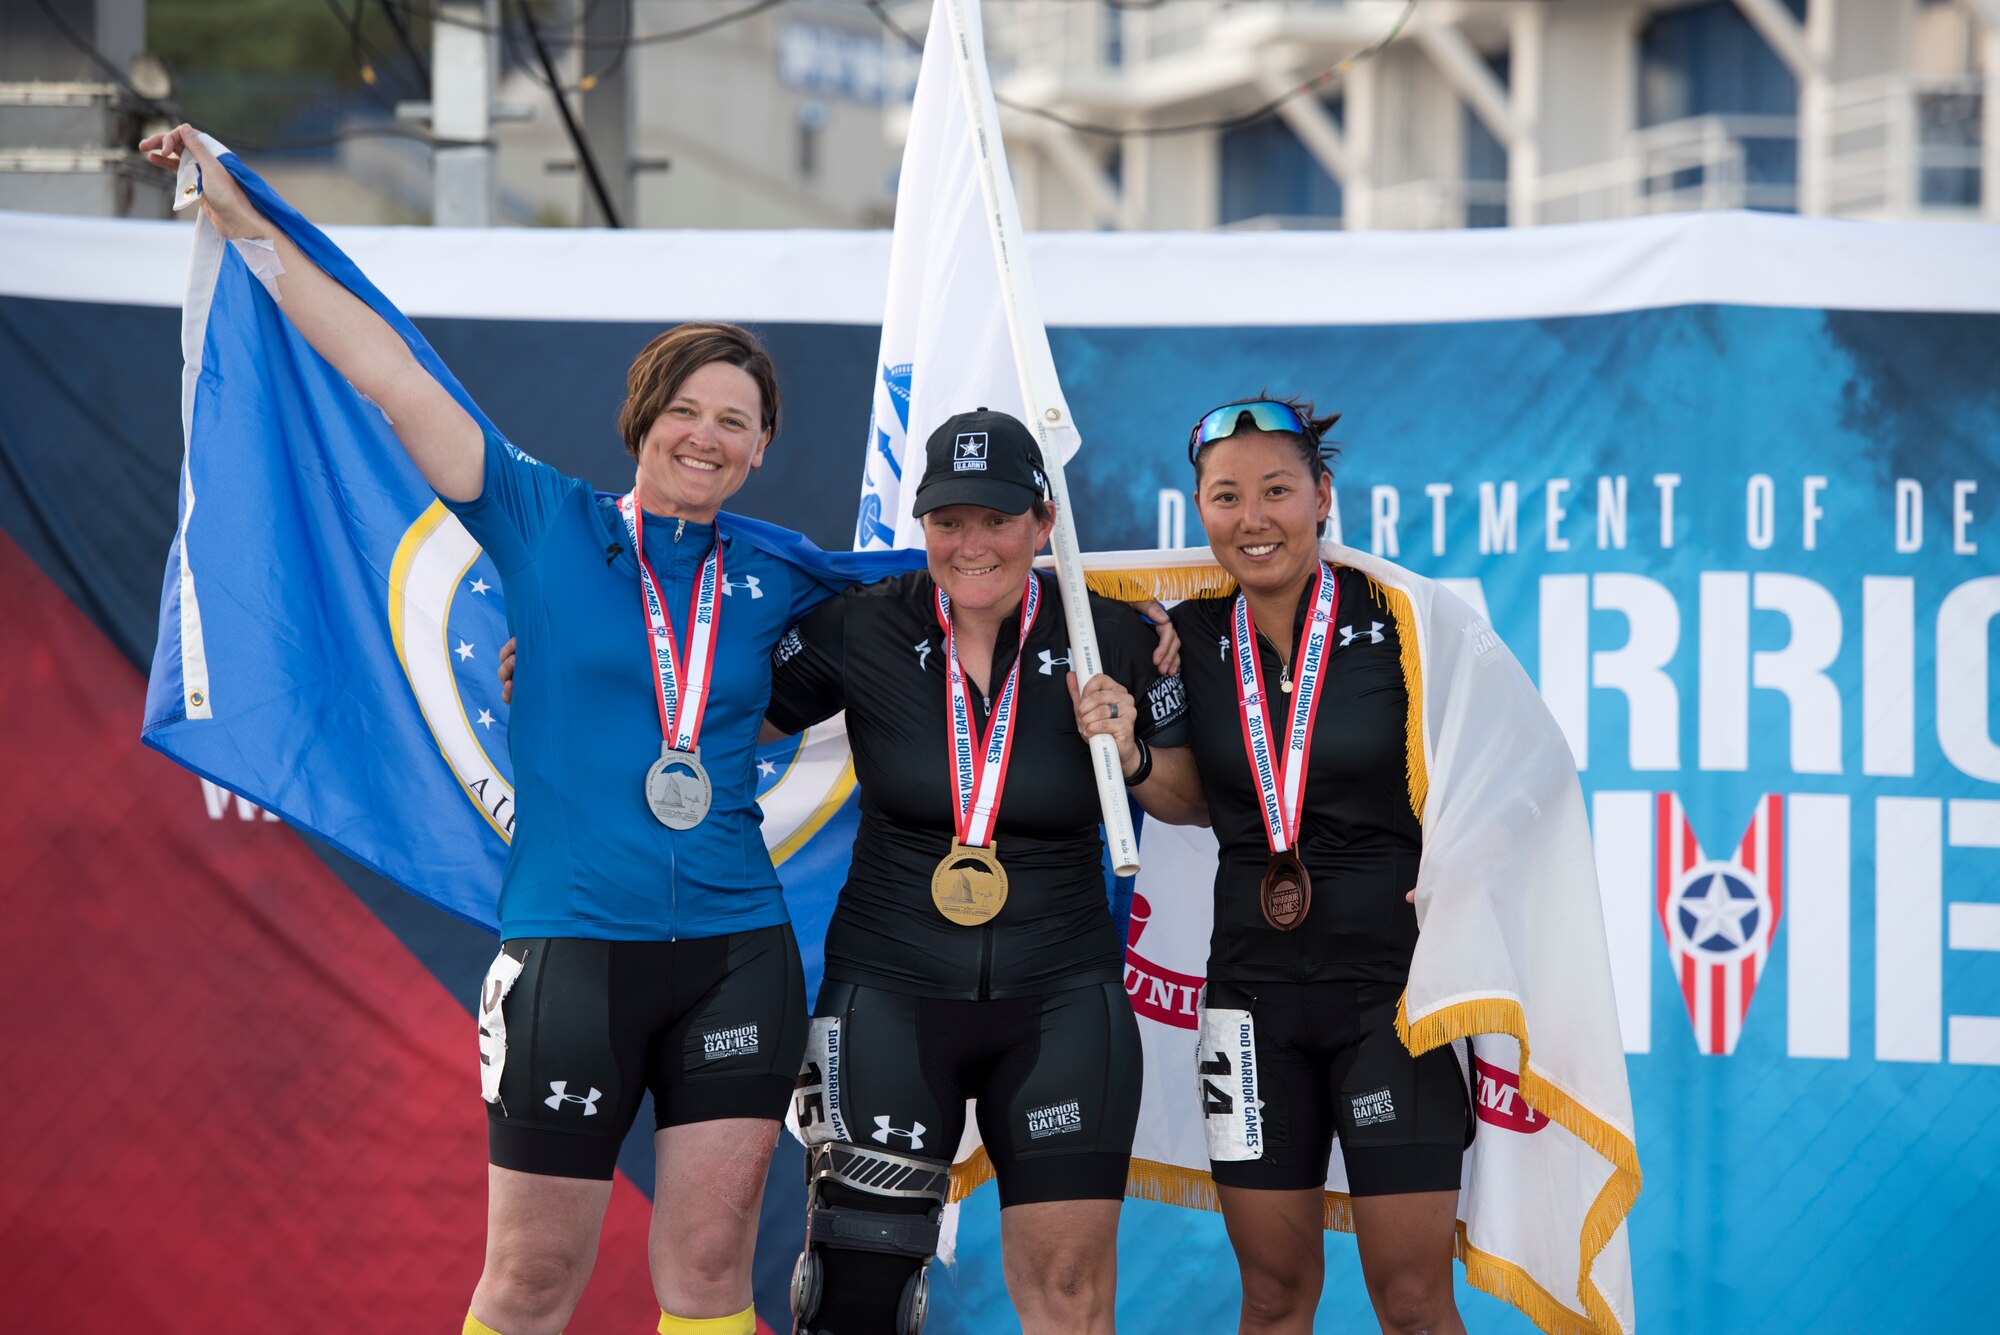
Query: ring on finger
x=1114 y=710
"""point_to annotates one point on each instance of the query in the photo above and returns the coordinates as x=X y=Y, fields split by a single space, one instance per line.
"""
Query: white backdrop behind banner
x=1729 y=486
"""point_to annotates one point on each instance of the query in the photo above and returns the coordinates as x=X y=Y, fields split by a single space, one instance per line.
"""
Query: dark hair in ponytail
x=1317 y=452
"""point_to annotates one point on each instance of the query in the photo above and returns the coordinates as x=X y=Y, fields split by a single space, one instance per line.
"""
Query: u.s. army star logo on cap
x=968 y=453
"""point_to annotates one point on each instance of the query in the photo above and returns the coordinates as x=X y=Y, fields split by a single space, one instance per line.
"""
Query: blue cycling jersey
x=588 y=859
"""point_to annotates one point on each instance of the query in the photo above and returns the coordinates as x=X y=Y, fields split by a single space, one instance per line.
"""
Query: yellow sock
x=474 y=1326
x=740 y=1323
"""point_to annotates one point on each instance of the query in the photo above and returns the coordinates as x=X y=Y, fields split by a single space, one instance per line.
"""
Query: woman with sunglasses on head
x=1300 y=720
x=972 y=952
x=639 y=912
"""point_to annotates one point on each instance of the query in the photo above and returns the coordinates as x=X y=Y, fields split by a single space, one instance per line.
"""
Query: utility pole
x=607 y=112
x=464 y=67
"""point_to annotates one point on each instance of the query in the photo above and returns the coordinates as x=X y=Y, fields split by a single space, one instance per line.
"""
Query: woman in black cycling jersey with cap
x=972 y=952
x=1298 y=724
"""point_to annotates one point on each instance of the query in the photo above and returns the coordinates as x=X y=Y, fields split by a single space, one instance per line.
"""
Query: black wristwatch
x=1145 y=770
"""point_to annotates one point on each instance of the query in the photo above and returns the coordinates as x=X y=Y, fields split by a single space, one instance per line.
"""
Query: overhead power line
x=102 y=61
x=578 y=140
x=1318 y=81
x=750 y=10
x=403 y=39
x=165 y=112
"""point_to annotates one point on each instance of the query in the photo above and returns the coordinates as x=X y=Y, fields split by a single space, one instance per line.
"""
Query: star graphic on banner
x=485 y=718
x=767 y=769
x=464 y=651
x=480 y=586
x=1719 y=913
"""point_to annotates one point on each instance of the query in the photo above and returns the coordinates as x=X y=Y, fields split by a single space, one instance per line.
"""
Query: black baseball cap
x=981 y=458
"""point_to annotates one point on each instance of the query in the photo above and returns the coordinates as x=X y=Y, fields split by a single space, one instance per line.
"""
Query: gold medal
x=969 y=886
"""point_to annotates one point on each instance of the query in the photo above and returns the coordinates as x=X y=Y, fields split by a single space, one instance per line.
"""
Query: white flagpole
x=1042 y=399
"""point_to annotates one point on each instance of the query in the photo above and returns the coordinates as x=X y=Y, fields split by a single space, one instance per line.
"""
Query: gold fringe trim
x=1168 y=584
x=1515 y=1287
x=1496 y=1015
x=1413 y=684
x=970 y=1174
x=1171 y=1184
x=1193 y=1189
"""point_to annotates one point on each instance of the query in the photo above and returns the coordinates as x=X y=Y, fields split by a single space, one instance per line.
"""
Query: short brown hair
x=664 y=365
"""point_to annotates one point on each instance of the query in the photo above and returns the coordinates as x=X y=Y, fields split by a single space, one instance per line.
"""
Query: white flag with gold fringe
x=1510 y=955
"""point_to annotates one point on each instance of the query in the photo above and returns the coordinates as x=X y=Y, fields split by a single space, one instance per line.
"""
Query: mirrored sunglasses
x=1264 y=415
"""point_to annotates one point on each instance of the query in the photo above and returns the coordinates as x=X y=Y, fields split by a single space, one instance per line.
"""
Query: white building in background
x=1479 y=113
x=1490 y=112
x=775 y=120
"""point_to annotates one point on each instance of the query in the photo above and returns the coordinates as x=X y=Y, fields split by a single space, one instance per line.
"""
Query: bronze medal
x=1285 y=893
x=969 y=886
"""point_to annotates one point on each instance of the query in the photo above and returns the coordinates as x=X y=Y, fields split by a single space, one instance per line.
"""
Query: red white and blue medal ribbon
x=1281 y=781
x=979 y=776
x=678 y=790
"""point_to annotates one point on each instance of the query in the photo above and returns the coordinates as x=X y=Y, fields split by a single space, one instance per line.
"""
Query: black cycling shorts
x=1056 y=1077
x=714 y=1027
x=1323 y=1059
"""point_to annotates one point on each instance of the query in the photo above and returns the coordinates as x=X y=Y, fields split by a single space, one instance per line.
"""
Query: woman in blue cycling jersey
x=645 y=942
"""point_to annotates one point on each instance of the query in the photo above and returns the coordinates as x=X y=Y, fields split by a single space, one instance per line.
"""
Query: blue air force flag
x=329 y=632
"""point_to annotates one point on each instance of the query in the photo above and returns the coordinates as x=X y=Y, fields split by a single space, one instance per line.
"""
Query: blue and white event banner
x=1728 y=486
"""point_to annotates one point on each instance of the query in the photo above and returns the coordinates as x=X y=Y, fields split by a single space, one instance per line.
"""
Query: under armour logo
x=730 y=586
x=562 y=1096
x=880 y=1135
x=923 y=648
x=1049 y=662
x=1348 y=635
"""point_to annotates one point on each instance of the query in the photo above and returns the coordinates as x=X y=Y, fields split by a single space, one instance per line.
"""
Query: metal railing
x=1702 y=162
x=1896 y=145
x=1430 y=204
x=1069 y=37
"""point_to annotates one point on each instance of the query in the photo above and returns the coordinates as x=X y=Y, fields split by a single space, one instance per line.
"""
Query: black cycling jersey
x=1358 y=837
x=878 y=653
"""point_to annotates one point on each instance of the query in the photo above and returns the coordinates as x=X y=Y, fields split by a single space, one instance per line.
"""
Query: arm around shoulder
x=1172 y=792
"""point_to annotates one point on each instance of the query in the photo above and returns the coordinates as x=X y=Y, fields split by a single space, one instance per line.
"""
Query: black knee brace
x=871 y=1230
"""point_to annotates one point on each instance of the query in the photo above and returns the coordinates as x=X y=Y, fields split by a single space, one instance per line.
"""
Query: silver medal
x=677 y=788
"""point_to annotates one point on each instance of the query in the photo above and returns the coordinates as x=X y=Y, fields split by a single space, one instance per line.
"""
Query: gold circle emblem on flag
x=969 y=886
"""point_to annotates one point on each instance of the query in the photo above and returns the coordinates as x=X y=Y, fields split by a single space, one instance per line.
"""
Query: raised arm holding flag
x=338 y=486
